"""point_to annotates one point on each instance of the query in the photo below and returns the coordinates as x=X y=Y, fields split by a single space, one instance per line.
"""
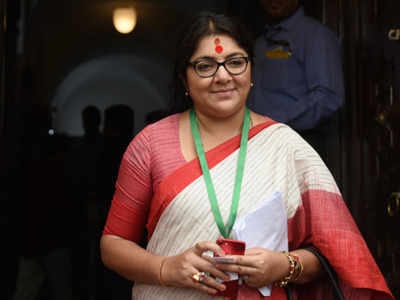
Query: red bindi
x=218 y=49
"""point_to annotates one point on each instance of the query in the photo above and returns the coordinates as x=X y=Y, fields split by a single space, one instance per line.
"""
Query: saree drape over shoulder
x=178 y=213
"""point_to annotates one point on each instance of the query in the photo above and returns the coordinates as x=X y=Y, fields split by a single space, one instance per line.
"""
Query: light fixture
x=124 y=19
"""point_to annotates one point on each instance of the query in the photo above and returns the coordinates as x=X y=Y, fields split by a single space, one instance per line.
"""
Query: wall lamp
x=124 y=19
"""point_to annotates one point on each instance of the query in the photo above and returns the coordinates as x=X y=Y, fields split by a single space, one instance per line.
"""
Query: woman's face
x=222 y=94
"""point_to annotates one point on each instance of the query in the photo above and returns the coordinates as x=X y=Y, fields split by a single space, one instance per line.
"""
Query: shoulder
x=279 y=132
x=315 y=29
x=143 y=142
x=280 y=141
x=166 y=123
x=165 y=126
x=290 y=140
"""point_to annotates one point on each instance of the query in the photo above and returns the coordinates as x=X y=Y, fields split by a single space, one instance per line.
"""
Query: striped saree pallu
x=278 y=160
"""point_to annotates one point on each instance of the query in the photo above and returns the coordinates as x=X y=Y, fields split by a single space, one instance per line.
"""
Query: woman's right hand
x=179 y=270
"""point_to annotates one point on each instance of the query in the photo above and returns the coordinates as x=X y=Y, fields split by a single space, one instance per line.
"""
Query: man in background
x=298 y=72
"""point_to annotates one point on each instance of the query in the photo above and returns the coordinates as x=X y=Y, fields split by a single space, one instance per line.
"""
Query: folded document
x=264 y=227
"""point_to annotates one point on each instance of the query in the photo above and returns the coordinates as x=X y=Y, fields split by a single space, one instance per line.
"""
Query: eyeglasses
x=207 y=67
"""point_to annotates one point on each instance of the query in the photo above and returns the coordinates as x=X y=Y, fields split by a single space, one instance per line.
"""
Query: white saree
x=277 y=159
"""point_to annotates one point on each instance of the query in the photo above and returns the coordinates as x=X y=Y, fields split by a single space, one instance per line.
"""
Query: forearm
x=311 y=267
x=317 y=106
x=130 y=260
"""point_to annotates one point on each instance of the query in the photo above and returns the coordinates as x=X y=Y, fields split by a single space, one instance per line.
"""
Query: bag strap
x=337 y=292
x=289 y=293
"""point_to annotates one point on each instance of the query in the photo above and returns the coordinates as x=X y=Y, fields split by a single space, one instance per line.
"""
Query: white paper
x=264 y=227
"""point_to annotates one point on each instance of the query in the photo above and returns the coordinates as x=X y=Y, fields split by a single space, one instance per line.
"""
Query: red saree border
x=351 y=260
x=175 y=182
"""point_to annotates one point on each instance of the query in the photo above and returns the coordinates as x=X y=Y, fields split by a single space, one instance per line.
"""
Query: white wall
x=109 y=80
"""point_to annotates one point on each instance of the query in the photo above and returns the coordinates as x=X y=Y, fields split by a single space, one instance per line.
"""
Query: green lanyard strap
x=207 y=177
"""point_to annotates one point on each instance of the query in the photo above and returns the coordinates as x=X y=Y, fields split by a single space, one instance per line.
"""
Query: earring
x=251 y=84
x=187 y=94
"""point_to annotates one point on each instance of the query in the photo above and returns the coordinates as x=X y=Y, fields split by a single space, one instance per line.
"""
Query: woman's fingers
x=209 y=283
x=214 y=271
x=204 y=288
x=202 y=262
x=202 y=247
x=191 y=269
x=242 y=260
x=203 y=279
x=258 y=265
x=254 y=251
x=205 y=263
x=236 y=268
x=252 y=276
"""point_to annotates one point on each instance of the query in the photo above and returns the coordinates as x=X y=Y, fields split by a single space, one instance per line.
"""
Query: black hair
x=200 y=25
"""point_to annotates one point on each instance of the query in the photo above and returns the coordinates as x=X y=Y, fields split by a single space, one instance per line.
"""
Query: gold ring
x=199 y=276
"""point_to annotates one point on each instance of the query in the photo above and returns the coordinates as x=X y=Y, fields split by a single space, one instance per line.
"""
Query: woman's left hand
x=258 y=267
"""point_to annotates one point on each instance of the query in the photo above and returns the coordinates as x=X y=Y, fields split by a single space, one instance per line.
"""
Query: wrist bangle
x=299 y=267
x=292 y=267
x=162 y=283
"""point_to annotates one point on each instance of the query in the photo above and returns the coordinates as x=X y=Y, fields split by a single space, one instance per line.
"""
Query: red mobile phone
x=231 y=247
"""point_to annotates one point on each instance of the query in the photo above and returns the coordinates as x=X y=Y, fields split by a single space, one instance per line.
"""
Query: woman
x=161 y=186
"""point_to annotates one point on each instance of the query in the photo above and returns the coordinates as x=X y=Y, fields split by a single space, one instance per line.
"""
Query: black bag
x=337 y=292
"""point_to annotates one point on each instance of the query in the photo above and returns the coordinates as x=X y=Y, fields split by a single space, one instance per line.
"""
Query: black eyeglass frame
x=194 y=63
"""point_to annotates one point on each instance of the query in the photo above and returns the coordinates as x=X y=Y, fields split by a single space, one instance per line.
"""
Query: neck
x=220 y=128
x=271 y=20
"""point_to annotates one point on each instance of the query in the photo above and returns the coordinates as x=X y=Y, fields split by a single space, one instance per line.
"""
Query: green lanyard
x=207 y=177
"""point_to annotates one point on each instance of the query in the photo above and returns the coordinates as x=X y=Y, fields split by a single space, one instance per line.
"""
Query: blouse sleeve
x=133 y=191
